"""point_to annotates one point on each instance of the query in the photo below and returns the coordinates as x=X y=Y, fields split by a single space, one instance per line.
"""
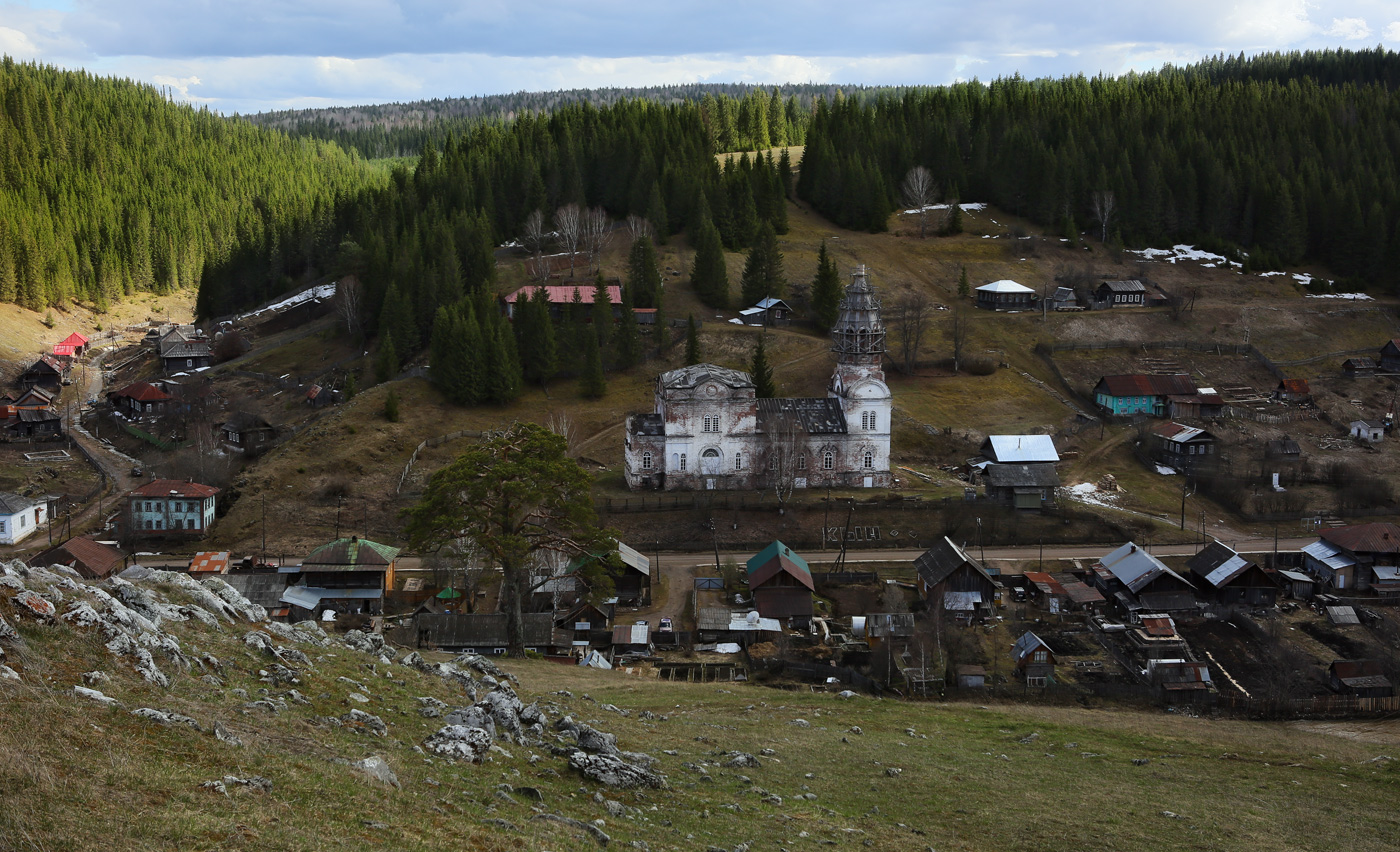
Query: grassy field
x=857 y=773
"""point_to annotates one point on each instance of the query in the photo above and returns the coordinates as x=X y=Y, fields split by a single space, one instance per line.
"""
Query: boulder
x=252 y=782
x=93 y=695
x=310 y=631
x=366 y=723
x=613 y=771
x=473 y=717
x=739 y=759
x=377 y=769
x=460 y=742
x=35 y=603
x=592 y=740
x=234 y=598
x=165 y=717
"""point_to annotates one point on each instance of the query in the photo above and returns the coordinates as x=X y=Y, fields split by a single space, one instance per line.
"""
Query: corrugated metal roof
x=1130 y=286
x=563 y=294
x=777 y=558
x=1005 y=285
x=1324 y=552
x=1136 y=568
x=210 y=562
x=1020 y=448
x=1024 y=646
x=176 y=487
x=1138 y=384
x=1218 y=563
x=350 y=554
x=720 y=619
x=1296 y=576
x=1160 y=626
x=634 y=559
x=1045 y=583
x=817 y=415
x=1178 y=433
x=93 y=559
x=630 y=634
x=961 y=601
x=1342 y=615
x=310 y=597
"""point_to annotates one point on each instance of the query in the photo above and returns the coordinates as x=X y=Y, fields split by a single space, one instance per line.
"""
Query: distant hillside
x=107 y=188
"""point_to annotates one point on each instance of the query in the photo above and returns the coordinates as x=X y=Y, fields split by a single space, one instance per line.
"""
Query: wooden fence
x=844 y=578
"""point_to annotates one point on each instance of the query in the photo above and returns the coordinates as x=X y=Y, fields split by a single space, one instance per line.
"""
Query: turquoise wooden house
x=1123 y=396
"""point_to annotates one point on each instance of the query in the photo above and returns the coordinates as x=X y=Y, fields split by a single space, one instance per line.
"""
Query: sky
x=249 y=56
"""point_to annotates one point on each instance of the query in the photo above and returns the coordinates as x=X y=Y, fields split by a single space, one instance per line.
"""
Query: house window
x=682 y=467
x=711 y=423
x=869 y=460
x=738 y=461
x=1035 y=681
x=177 y=524
x=646 y=461
x=1041 y=656
x=158 y=525
x=802 y=462
x=828 y=460
x=149 y=525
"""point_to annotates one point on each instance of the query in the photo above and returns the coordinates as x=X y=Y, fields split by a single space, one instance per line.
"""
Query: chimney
x=1132 y=548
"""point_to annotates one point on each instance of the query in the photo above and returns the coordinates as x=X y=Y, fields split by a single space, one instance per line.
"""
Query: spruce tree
x=826 y=291
x=592 y=384
x=643 y=275
x=955 y=220
x=396 y=317
x=708 y=273
x=386 y=362
x=658 y=217
x=762 y=373
x=964 y=288
x=628 y=340
x=391 y=406
x=692 y=342
x=763 y=272
x=442 y=368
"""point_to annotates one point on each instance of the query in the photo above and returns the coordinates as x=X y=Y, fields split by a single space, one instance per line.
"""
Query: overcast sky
x=253 y=55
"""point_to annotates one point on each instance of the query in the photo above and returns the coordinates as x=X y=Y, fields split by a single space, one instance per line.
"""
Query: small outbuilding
x=1293 y=390
x=1034 y=660
x=1354 y=367
x=1023 y=486
x=1369 y=431
x=89 y=557
x=781 y=584
x=1362 y=678
x=768 y=311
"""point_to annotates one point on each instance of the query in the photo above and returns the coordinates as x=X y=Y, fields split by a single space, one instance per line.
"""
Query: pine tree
x=643 y=275
x=628 y=341
x=708 y=274
x=442 y=366
x=656 y=214
x=762 y=373
x=592 y=384
x=826 y=291
x=955 y=220
x=692 y=342
x=964 y=288
x=396 y=317
x=386 y=362
x=763 y=272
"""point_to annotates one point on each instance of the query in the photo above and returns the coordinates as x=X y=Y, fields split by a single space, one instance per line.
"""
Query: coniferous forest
x=108 y=189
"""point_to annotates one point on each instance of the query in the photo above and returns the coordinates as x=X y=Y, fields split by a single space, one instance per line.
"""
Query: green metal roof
x=351 y=554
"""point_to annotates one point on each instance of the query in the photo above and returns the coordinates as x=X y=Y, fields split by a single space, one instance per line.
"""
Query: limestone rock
x=613 y=771
x=460 y=743
x=378 y=769
x=166 y=717
x=365 y=723
x=94 y=695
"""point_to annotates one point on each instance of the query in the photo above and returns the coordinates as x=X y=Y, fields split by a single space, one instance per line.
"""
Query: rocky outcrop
x=612 y=771
x=460 y=742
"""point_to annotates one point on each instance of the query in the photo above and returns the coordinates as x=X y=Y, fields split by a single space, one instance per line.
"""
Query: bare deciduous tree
x=568 y=223
x=459 y=566
x=562 y=424
x=535 y=235
x=349 y=304
x=638 y=227
x=957 y=334
x=784 y=455
x=919 y=192
x=911 y=315
x=597 y=231
x=1104 y=205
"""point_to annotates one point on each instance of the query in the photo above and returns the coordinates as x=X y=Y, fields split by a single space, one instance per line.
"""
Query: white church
x=710 y=431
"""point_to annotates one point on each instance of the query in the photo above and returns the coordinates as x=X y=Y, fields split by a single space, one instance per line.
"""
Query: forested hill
x=107 y=188
x=734 y=110
x=1229 y=153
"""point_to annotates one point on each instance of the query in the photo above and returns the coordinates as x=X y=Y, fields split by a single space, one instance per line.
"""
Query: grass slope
x=75 y=775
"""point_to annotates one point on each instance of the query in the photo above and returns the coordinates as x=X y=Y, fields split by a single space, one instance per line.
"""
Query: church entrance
x=709 y=462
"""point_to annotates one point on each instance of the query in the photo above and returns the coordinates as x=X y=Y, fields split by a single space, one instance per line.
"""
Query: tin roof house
x=1033 y=659
x=953 y=582
x=348 y=575
x=781 y=584
x=1227 y=578
x=1005 y=295
x=1139 y=581
x=1364 y=558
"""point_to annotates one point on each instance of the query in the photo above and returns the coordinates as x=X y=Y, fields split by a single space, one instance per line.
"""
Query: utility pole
x=826 y=516
x=263 y=559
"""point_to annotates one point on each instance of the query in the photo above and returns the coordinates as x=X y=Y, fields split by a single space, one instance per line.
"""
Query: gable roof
x=769 y=302
x=1180 y=434
x=1021 y=476
x=142 y=392
x=1294 y=386
x=1027 y=645
x=1136 y=568
x=174 y=487
x=938 y=562
x=92 y=559
x=1140 y=384
x=45 y=364
x=777 y=558
x=1282 y=447
x=1020 y=448
x=1365 y=538
x=74 y=339
x=1129 y=286
x=1218 y=564
x=350 y=554
x=817 y=415
x=210 y=562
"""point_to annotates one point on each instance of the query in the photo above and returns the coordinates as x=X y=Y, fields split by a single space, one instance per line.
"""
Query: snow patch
x=324 y=291
x=973 y=207
x=1355 y=297
x=1088 y=492
x=1166 y=471
x=1182 y=252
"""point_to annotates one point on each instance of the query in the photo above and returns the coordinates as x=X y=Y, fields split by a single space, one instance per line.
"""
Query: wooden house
x=26 y=424
x=140 y=401
x=246 y=432
x=170 y=508
x=1139 y=581
x=768 y=311
x=631 y=639
x=1390 y=356
x=91 y=558
x=1362 y=678
x=48 y=373
x=33 y=399
x=348 y=575
x=1205 y=404
x=1293 y=390
x=781 y=584
x=1354 y=367
x=1005 y=295
x=1022 y=486
x=1282 y=451
x=970 y=676
x=1023 y=449
x=182 y=349
x=588 y=624
x=1140 y=393
x=954 y=583
x=1363 y=557
x=1120 y=294
x=1180 y=681
x=1034 y=660
x=1182 y=448
x=1228 y=579
x=485 y=633
x=1065 y=299
x=19 y=517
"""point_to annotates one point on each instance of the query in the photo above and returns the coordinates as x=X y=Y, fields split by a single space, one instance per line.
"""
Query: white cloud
x=1350 y=29
x=16 y=44
x=1392 y=32
x=1266 y=23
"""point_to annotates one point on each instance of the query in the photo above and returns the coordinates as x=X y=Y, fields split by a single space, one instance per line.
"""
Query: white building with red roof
x=170 y=507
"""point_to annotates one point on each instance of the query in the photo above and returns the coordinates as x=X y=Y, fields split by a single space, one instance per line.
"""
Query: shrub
x=979 y=365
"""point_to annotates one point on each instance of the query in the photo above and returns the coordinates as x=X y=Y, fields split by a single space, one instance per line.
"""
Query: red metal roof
x=65 y=350
x=563 y=294
x=143 y=392
x=92 y=559
x=1159 y=625
x=74 y=339
x=1045 y=582
x=210 y=562
x=177 y=487
x=1294 y=386
x=1366 y=538
x=1145 y=385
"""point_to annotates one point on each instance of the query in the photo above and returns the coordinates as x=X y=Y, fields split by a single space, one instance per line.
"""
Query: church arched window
x=828 y=460
x=646 y=461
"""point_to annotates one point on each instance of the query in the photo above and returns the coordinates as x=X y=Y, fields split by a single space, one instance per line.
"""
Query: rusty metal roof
x=210 y=562
x=1046 y=583
x=1366 y=538
x=1160 y=626
x=174 y=488
x=1294 y=386
x=1139 y=384
x=92 y=559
